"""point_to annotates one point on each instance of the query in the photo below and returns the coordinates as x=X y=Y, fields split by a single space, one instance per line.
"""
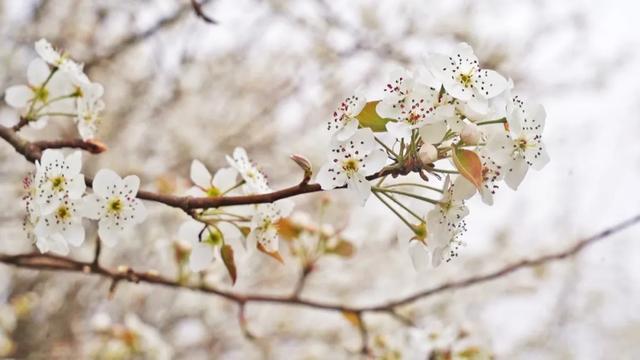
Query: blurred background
x=267 y=78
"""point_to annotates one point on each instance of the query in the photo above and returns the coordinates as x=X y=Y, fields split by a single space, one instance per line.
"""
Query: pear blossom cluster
x=57 y=87
x=209 y=230
x=455 y=126
x=56 y=203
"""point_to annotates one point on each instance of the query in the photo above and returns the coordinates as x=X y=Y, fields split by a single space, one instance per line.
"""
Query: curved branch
x=59 y=263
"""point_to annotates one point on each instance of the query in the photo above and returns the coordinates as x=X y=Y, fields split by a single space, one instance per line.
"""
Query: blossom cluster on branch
x=437 y=137
x=453 y=113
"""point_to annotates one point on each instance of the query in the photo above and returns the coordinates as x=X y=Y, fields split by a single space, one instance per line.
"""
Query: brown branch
x=197 y=8
x=136 y=38
x=32 y=151
x=59 y=263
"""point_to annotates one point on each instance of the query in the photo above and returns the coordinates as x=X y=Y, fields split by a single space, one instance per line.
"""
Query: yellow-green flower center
x=350 y=165
x=57 y=183
x=63 y=212
x=115 y=205
x=465 y=79
x=41 y=94
x=215 y=238
x=213 y=191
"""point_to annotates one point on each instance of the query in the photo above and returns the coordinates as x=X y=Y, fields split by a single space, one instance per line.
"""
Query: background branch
x=58 y=263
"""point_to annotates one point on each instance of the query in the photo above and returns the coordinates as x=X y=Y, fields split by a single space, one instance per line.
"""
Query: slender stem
x=56 y=114
x=375 y=193
x=240 y=183
x=389 y=150
x=416 y=185
x=497 y=121
x=406 y=208
x=62 y=97
x=431 y=201
x=444 y=171
x=404 y=220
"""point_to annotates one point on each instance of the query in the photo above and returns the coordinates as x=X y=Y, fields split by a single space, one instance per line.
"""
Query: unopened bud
x=304 y=164
x=428 y=154
x=471 y=134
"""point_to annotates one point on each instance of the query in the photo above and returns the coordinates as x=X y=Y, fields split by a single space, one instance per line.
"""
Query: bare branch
x=59 y=263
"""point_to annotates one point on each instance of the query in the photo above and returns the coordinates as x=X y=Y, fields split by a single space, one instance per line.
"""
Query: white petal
x=463 y=189
x=201 y=256
x=190 y=231
x=329 y=178
x=360 y=187
x=268 y=239
x=541 y=158
x=433 y=133
x=138 y=211
x=490 y=83
x=363 y=140
x=458 y=91
x=18 y=96
x=478 y=104
x=388 y=107
x=200 y=175
x=195 y=191
x=347 y=131
x=108 y=232
x=74 y=234
x=419 y=255
x=399 y=129
x=131 y=185
x=515 y=173
x=225 y=178
x=285 y=207
x=54 y=243
x=92 y=207
x=374 y=162
x=37 y=72
x=74 y=162
x=106 y=182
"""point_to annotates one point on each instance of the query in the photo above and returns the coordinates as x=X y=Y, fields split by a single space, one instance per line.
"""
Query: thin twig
x=59 y=263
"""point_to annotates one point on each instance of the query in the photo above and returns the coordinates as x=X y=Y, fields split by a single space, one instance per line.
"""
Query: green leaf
x=226 y=251
x=469 y=165
x=368 y=117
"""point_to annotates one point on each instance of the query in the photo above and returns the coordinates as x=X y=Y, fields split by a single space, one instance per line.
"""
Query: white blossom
x=397 y=90
x=204 y=240
x=41 y=95
x=445 y=224
x=351 y=162
x=344 y=123
x=492 y=174
x=256 y=181
x=521 y=147
x=114 y=204
x=61 y=226
x=58 y=178
x=463 y=79
x=88 y=108
x=221 y=183
x=264 y=224
x=45 y=50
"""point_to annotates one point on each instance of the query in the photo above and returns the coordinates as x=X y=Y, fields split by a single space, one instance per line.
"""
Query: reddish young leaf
x=469 y=165
x=274 y=254
x=226 y=251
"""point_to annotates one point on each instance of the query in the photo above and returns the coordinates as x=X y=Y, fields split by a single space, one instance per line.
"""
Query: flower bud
x=428 y=154
x=471 y=134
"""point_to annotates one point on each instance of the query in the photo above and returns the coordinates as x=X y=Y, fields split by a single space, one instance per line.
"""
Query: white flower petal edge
x=351 y=162
x=114 y=204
